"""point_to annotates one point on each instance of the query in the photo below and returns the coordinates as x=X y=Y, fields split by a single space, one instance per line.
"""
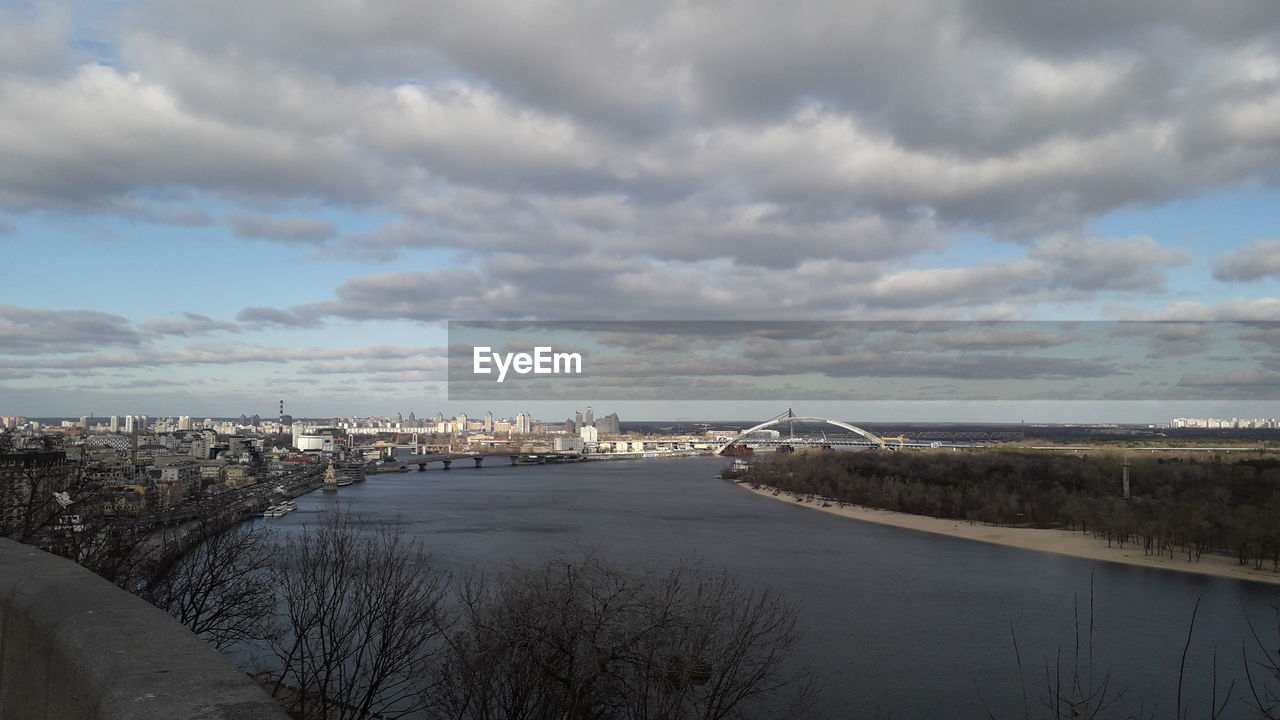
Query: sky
x=207 y=206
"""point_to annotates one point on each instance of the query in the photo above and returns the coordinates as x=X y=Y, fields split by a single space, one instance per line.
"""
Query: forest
x=1179 y=504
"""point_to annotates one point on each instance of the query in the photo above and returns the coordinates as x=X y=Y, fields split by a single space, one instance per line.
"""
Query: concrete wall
x=74 y=646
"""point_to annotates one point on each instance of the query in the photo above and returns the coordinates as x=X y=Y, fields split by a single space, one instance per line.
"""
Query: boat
x=351 y=471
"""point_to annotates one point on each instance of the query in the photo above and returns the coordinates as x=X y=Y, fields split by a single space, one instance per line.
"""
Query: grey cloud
x=665 y=165
x=16 y=374
x=1258 y=259
x=381 y=365
x=1084 y=27
x=1264 y=309
x=299 y=230
x=179 y=216
x=27 y=330
x=1170 y=339
x=36 y=45
x=222 y=354
x=976 y=123
x=189 y=324
x=275 y=317
x=1107 y=264
x=557 y=55
x=864 y=364
x=140 y=384
x=99 y=135
x=1253 y=379
x=766 y=234
x=1002 y=339
x=550 y=286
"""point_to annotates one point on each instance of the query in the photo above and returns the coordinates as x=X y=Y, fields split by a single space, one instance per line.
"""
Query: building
x=524 y=423
x=199 y=448
x=183 y=476
x=609 y=425
x=27 y=482
x=589 y=434
x=124 y=500
x=323 y=439
x=568 y=444
x=321 y=443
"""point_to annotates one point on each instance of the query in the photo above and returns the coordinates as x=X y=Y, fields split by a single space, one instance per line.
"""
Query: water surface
x=910 y=624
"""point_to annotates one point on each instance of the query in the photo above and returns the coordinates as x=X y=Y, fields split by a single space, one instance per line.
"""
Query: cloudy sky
x=206 y=206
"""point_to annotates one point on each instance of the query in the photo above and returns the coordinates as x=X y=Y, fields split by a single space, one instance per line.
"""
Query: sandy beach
x=1063 y=542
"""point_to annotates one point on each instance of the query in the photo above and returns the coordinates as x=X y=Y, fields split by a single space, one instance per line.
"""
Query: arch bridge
x=791 y=417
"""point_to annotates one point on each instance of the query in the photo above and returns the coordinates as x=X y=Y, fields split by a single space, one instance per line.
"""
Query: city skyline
x=209 y=206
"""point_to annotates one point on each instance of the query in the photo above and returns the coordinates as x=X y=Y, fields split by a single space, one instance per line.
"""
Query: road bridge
x=403 y=464
x=860 y=437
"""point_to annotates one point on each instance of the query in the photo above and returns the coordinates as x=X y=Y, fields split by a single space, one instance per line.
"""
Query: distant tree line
x=1185 y=504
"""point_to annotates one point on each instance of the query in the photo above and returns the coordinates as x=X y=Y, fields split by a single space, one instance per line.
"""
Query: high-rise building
x=114 y=423
x=589 y=418
x=184 y=422
x=577 y=418
x=524 y=423
x=609 y=425
x=488 y=421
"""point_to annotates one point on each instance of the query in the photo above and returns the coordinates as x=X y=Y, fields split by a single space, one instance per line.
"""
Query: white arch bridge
x=789 y=417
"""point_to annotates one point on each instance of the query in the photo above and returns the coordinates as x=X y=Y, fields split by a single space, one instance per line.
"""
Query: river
x=904 y=623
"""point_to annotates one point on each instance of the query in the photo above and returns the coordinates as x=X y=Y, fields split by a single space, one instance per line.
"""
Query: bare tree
x=36 y=488
x=579 y=640
x=1072 y=688
x=220 y=588
x=361 y=620
x=1263 y=670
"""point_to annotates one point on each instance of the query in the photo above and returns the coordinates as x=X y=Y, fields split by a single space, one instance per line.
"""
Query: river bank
x=1062 y=542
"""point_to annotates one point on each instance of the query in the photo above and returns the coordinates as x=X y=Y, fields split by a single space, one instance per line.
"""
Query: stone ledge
x=72 y=645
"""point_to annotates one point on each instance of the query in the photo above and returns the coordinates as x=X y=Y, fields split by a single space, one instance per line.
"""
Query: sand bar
x=1063 y=542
